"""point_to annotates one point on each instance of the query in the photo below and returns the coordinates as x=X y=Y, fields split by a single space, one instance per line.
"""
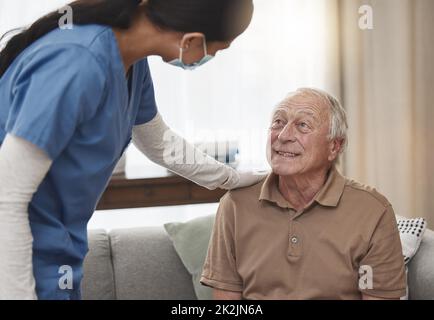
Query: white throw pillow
x=411 y=232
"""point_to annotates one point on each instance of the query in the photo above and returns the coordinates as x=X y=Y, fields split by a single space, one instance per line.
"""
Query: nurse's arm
x=166 y=148
x=23 y=166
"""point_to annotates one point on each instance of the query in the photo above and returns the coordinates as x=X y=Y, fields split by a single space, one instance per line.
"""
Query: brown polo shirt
x=265 y=249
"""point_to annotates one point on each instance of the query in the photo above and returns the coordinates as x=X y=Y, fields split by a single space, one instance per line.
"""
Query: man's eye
x=277 y=123
x=304 y=126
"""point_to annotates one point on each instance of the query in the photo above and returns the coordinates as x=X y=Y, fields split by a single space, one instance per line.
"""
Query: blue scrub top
x=67 y=93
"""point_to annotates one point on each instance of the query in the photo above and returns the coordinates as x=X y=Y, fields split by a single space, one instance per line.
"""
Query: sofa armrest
x=98 y=280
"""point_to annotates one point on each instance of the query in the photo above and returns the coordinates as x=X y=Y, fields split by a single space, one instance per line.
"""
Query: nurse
x=70 y=103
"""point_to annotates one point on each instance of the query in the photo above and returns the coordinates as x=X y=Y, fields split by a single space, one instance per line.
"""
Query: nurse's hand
x=241 y=179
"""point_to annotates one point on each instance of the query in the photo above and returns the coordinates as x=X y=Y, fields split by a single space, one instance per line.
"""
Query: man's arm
x=386 y=262
x=226 y=295
x=366 y=297
x=220 y=269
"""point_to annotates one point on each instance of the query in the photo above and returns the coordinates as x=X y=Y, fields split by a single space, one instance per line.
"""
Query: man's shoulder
x=243 y=195
x=365 y=194
x=368 y=208
x=240 y=204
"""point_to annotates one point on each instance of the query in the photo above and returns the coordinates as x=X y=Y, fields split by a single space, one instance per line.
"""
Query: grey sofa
x=141 y=263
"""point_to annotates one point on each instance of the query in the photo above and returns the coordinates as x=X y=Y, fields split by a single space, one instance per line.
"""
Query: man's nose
x=287 y=133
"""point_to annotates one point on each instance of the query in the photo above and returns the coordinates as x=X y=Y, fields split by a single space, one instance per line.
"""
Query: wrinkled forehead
x=304 y=103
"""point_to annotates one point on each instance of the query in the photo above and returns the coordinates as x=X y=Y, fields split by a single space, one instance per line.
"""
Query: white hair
x=338 y=117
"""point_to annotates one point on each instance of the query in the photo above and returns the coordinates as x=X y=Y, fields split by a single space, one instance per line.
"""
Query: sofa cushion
x=146 y=266
x=191 y=240
x=98 y=281
x=421 y=270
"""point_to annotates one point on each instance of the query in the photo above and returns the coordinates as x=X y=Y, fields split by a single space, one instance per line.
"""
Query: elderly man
x=306 y=232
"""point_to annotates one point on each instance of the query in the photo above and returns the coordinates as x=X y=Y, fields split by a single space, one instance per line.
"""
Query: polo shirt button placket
x=295 y=243
x=292 y=238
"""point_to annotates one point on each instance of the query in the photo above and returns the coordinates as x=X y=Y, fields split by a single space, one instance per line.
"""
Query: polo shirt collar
x=331 y=192
x=270 y=191
x=329 y=195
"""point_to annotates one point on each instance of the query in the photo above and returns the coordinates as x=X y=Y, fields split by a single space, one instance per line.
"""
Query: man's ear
x=335 y=148
x=190 y=39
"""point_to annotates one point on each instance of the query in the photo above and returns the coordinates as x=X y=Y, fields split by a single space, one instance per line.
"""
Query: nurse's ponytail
x=218 y=20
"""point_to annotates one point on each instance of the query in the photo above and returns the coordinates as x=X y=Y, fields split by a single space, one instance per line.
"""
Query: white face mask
x=179 y=63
